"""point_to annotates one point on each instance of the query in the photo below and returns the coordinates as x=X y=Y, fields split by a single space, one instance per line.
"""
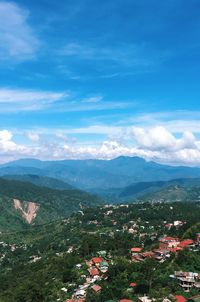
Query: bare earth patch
x=28 y=209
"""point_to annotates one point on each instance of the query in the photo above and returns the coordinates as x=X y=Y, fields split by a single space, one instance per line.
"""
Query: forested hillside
x=97 y=174
x=52 y=204
x=52 y=262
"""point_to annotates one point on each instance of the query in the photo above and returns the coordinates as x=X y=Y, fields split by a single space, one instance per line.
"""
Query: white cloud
x=7 y=145
x=153 y=138
x=93 y=99
x=176 y=121
x=5 y=135
x=156 y=143
x=12 y=100
x=35 y=137
x=17 y=39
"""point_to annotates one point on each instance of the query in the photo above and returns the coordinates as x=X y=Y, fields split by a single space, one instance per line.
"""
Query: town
x=143 y=252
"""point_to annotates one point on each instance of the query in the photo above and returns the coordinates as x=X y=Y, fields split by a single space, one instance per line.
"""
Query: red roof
x=180 y=299
x=97 y=260
x=136 y=249
x=93 y=272
x=125 y=300
x=186 y=242
x=133 y=284
x=96 y=288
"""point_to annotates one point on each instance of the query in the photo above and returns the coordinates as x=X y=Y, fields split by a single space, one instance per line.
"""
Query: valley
x=124 y=244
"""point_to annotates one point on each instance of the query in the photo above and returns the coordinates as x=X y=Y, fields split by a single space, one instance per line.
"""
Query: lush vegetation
x=41 y=181
x=61 y=245
x=54 y=204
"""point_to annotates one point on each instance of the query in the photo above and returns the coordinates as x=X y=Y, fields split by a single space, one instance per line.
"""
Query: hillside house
x=96 y=261
x=79 y=294
x=187 y=243
x=179 y=298
x=96 y=288
x=144 y=299
x=135 y=253
x=187 y=280
x=168 y=242
x=161 y=254
x=103 y=267
x=93 y=272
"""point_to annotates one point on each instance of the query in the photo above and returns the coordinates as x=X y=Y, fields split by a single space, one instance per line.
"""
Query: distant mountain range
x=97 y=175
x=37 y=192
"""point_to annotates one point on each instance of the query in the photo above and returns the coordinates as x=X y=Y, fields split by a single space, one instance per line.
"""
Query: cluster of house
x=176 y=298
x=177 y=224
x=6 y=248
x=97 y=267
x=167 y=245
x=187 y=280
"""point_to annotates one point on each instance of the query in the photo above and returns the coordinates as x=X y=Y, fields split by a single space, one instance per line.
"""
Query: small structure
x=79 y=294
x=93 y=272
x=180 y=298
x=97 y=260
x=96 y=288
x=161 y=254
x=103 y=267
x=133 y=284
x=136 y=250
x=144 y=299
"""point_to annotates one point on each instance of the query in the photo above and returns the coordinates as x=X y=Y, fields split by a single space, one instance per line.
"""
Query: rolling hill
x=175 y=193
x=23 y=204
x=41 y=181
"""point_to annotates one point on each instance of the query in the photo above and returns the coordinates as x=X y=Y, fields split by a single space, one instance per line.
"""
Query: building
x=168 y=242
x=144 y=299
x=187 y=280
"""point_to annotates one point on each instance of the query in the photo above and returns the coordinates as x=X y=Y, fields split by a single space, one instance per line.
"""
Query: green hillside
x=41 y=181
x=40 y=262
x=175 y=193
x=53 y=204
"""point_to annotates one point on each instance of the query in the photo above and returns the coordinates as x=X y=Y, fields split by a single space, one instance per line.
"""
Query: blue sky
x=98 y=79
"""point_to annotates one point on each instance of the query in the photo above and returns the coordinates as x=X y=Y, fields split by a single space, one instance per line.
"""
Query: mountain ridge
x=97 y=173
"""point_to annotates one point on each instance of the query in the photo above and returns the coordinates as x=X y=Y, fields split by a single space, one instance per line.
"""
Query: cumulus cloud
x=156 y=143
x=17 y=39
x=7 y=145
x=159 y=138
x=153 y=138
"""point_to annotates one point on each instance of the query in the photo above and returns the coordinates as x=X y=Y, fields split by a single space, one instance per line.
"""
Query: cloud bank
x=156 y=143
